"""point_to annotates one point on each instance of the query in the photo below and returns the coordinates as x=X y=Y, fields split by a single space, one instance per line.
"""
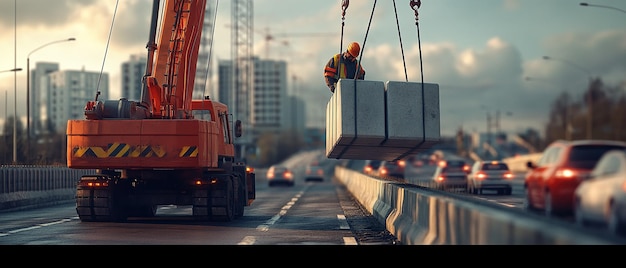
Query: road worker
x=343 y=65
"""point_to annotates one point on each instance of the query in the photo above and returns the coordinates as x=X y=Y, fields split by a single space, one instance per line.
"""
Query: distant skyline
x=479 y=52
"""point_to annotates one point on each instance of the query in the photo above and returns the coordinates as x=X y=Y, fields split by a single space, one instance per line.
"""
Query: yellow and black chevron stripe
x=121 y=150
x=188 y=151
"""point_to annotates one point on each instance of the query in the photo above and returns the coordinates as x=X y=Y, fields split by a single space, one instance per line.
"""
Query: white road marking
x=343 y=223
x=248 y=240
x=349 y=240
x=36 y=226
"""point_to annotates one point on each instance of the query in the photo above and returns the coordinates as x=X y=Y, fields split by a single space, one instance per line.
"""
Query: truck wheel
x=101 y=205
x=201 y=205
x=223 y=201
x=240 y=200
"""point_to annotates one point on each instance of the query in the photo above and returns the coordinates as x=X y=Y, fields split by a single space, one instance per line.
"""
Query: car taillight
x=368 y=169
x=270 y=175
x=288 y=174
x=320 y=172
x=466 y=168
x=95 y=184
x=401 y=163
x=383 y=171
x=481 y=175
x=565 y=173
x=441 y=178
x=508 y=175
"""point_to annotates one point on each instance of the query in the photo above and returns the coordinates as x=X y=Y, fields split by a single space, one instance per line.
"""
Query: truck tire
x=102 y=204
x=201 y=210
x=240 y=199
x=223 y=200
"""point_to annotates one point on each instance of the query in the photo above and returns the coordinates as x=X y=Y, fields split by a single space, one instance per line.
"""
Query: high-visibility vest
x=340 y=70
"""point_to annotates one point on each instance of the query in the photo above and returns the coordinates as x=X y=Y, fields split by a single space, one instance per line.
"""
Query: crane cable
x=406 y=76
x=208 y=64
x=356 y=72
x=415 y=4
x=106 y=50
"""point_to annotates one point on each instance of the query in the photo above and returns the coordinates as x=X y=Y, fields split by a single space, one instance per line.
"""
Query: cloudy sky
x=479 y=52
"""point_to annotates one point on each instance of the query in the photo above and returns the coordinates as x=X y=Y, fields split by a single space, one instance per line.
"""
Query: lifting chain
x=415 y=4
x=344 y=7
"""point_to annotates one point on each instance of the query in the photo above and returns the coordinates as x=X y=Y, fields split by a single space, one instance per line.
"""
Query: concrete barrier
x=25 y=187
x=418 y=216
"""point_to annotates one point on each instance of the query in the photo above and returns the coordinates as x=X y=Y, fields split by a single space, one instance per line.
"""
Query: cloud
x=479 y=70
x=37 y=13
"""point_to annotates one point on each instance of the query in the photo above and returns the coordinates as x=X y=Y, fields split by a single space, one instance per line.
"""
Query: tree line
x=598 y=113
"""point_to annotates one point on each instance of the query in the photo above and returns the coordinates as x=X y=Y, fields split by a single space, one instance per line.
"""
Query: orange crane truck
x=165 y=149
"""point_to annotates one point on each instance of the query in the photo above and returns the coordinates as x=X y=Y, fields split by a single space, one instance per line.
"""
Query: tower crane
x=268 y=37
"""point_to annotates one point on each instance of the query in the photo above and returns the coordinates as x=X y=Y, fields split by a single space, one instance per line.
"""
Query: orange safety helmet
x=353 y=49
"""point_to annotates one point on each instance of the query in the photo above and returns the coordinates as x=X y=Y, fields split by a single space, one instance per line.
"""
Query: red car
x=551 y=182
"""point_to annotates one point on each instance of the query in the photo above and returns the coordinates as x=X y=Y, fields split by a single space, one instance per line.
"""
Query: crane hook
x=415 y=4
x=344 y=6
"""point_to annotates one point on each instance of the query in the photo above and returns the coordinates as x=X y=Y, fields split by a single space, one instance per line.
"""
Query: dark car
x=455 y=163
x=371 y=166
x=451 y=175
x=314 y=172
x=393 y=169
x=551 y=182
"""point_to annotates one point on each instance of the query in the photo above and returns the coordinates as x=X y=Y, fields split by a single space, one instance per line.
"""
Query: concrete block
x=413 y=118
x=370 y=152
x=370 y=111
x=432 y=115
x=405 y=116
x=355 y=115
x=381 y=121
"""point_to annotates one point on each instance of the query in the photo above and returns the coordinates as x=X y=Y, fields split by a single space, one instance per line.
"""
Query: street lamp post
x=609 y=7
x=589 y=99
x=28 y=88
x=14 y=119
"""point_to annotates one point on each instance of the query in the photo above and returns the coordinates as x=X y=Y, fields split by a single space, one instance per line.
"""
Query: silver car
x=490 y=175
x=601 y=197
